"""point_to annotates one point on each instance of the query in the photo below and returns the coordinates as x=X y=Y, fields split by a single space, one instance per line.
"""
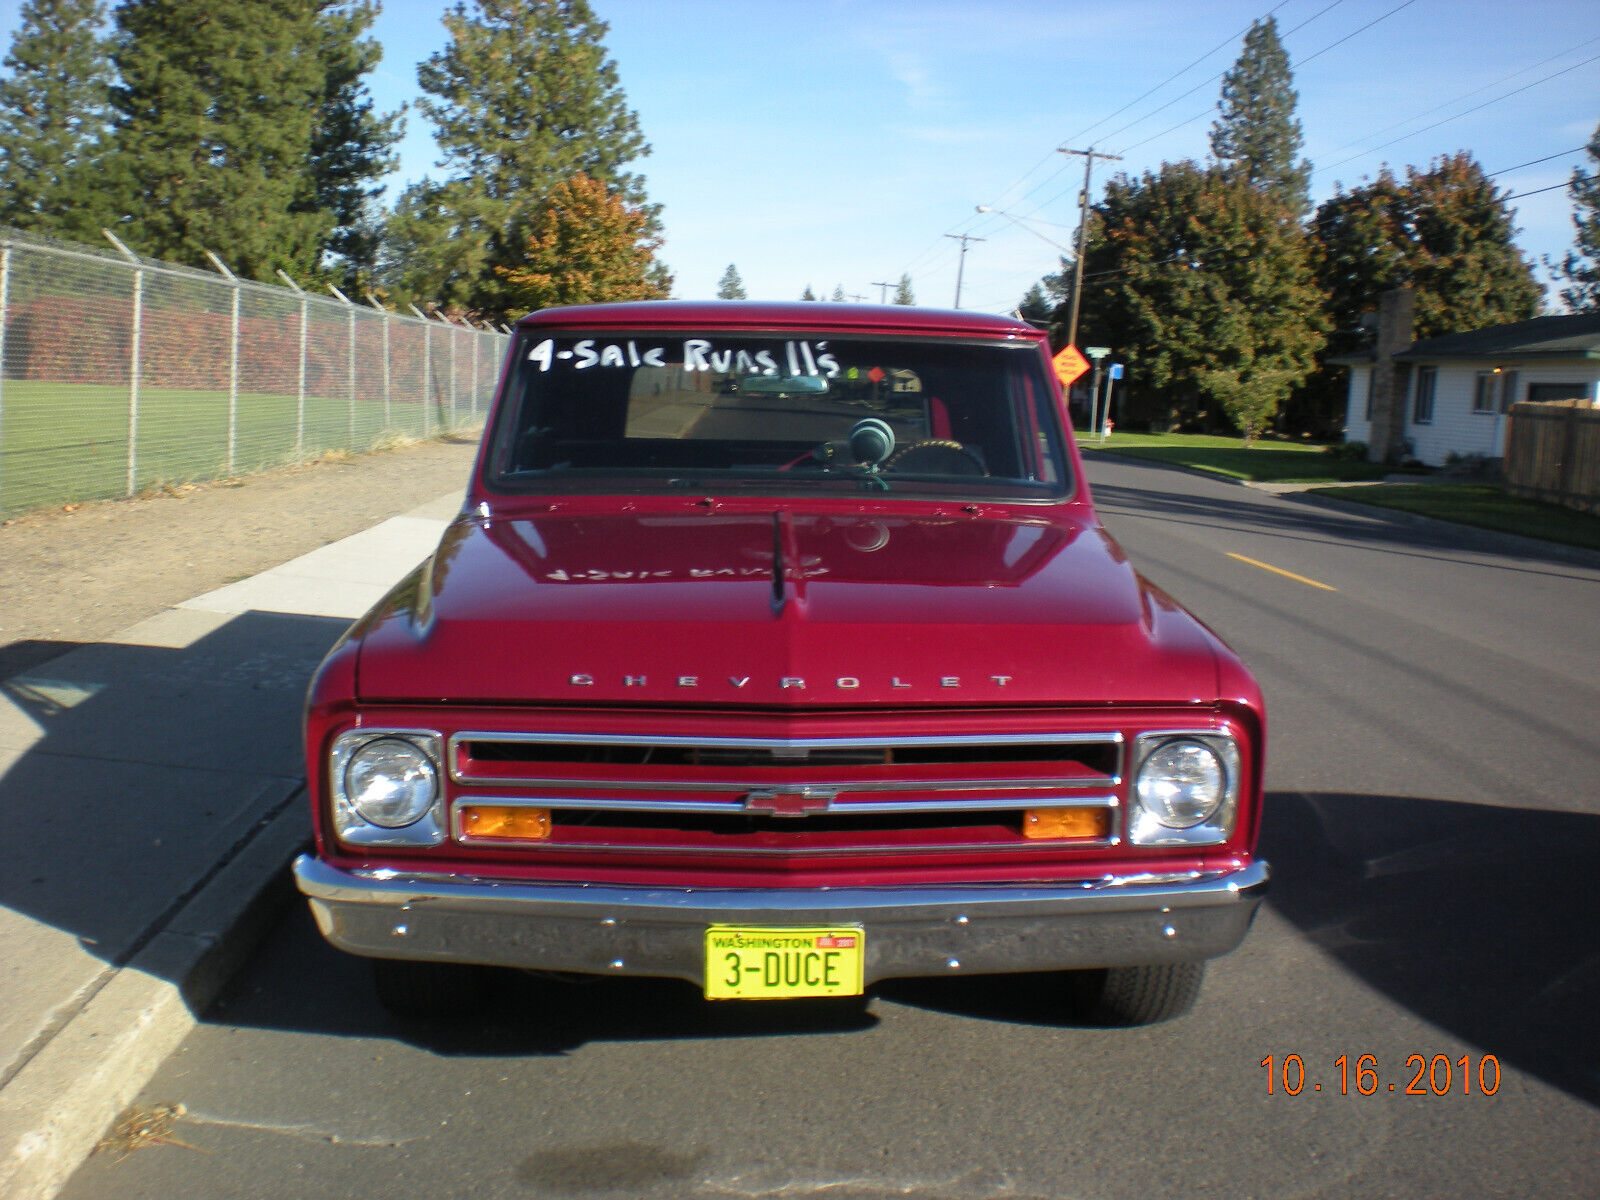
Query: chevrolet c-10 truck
x=779 y=648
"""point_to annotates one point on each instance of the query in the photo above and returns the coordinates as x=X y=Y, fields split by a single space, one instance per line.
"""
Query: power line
x=1300 y=63
x=1222 y=45
x=1535 y=162
x=1477 y=91
x=1464 y=113
x=1535 y=192
x=1352 y=33
x=1078 y=136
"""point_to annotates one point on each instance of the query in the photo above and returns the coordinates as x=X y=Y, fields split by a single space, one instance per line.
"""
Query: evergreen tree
x=838 y=293
x=808 y=294
x=1580 y=269
x=731 y=286
x=902 y=293
x=585 y=245
x=1256 y=138
x=215 y=114
x=53 y=114
x=523 y=98
x=1036 y=308
x=352 y=147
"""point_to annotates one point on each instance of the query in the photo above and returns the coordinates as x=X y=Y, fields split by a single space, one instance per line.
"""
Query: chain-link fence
x=120 y=374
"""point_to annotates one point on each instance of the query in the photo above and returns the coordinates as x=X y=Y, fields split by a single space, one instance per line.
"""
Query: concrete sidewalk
x=151 y=795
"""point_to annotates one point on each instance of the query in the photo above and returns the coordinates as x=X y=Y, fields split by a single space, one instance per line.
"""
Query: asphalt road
x=1432 y=821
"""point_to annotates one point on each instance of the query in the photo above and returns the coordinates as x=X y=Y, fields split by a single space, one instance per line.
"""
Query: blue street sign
x=1116 y=370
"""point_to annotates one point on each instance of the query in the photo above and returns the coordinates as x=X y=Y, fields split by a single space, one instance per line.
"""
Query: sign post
x=1097 y=353
x=1111 y=379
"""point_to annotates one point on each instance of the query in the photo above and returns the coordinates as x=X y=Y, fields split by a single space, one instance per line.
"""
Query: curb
x=54 y=1110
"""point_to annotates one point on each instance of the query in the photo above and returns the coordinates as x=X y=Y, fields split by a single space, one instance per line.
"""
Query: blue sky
x=837 y=142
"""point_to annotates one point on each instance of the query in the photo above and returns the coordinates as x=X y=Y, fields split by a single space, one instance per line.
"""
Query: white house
x=1451 y=394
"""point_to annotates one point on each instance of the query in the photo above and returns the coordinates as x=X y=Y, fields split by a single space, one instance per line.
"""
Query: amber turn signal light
x=1058 y=823
x=504 y=822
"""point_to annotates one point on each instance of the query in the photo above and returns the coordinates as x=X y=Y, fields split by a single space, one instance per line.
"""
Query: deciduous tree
x=53 y=114
x=585 y=245
x=1445 y=232
x=1205 y=290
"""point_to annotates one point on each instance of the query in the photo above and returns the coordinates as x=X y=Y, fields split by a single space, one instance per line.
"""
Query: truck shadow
x=300 y=983
x=1476 y=919
x=129 y=772
x=1479 y=919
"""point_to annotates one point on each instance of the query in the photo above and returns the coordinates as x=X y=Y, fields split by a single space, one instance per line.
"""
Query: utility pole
x=961 y=264
x=883 y=295
x=1089 y=156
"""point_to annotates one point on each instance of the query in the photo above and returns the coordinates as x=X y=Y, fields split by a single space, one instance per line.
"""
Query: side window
x=1508 y=390
x=1484 y=388
x=1422 y=396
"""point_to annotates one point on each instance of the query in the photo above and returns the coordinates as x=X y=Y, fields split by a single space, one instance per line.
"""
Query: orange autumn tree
x=584 y=245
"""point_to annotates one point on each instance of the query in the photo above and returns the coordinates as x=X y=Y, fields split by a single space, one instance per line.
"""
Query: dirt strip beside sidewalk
x=69 y=577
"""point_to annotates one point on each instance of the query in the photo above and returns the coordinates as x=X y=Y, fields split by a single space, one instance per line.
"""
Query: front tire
x=428 y=990
x=1124 y=996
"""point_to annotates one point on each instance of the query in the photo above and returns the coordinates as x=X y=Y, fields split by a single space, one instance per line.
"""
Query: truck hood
x=781 y=609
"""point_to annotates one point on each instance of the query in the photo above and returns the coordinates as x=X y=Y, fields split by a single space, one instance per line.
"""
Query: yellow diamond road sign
x=1069 y=365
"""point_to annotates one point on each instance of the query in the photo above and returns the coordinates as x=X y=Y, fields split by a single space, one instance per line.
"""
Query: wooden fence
x=1553 y=453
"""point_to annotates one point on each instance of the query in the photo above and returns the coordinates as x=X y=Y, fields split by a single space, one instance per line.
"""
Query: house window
x=1508 y=390
x=1484 y=391
x=1544 y=393
x=1422 y=397
x=1372 y=382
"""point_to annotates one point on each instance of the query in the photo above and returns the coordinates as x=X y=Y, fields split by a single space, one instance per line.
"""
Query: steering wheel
x=937 y=456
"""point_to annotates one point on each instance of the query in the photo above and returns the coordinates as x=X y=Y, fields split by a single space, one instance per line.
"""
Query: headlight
x=391 y=783
x=387 y=788
x=1181 y=783
x=1185 y=789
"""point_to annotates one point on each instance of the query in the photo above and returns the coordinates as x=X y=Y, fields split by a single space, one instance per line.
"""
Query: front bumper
x=910 y=931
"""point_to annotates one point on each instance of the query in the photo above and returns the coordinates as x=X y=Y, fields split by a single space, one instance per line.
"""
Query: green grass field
x=64 y=443
x=1264 y=462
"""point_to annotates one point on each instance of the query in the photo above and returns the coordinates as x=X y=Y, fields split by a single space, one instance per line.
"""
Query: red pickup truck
x=778 y=648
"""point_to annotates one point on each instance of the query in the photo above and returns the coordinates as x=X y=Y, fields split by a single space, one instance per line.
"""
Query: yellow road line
x=1285 y=574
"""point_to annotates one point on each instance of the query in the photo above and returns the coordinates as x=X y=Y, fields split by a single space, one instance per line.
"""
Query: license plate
x=745 y=963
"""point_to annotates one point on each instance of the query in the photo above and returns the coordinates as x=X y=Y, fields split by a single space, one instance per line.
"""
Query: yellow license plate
x=745 y=963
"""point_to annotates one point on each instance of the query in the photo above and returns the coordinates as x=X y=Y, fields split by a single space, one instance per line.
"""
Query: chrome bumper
x=910 y=931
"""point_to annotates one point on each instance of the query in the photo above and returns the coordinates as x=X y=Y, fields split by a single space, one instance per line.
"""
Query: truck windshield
x=790 y=412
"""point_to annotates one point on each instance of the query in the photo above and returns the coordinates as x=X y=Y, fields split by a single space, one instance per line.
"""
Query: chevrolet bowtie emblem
x=789 y=802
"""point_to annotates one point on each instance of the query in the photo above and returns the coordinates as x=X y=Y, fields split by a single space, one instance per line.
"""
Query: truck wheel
x=425 y=990
x=1136 y=995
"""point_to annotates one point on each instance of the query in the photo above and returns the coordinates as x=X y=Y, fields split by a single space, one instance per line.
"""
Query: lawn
x=1482 y=505
x=61 y=443
x=1264 y=462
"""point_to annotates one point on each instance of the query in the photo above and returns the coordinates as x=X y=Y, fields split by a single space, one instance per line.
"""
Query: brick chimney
x=1389 y=378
